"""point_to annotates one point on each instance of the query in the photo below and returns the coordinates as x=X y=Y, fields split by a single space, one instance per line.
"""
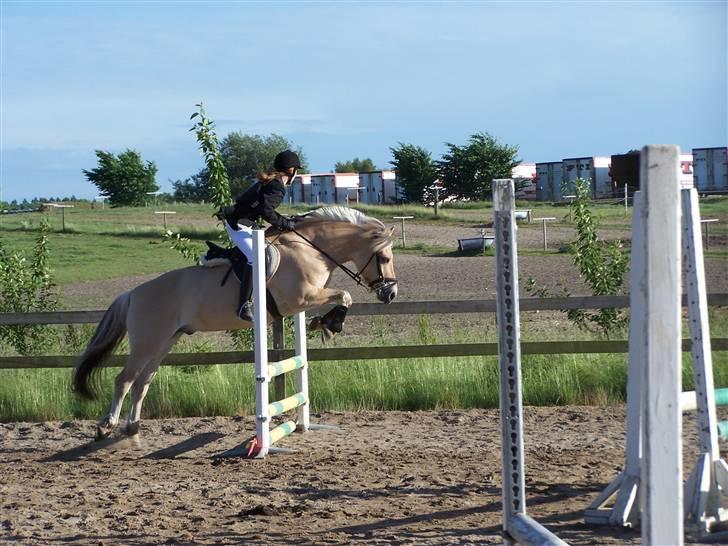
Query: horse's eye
x=384 y=260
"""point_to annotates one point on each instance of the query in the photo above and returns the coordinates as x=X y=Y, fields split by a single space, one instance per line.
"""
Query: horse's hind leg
x=122 y=384
x=141 y=386
x=138 y=392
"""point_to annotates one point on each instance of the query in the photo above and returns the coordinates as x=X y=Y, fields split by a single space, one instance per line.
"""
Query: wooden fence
x=367 y=353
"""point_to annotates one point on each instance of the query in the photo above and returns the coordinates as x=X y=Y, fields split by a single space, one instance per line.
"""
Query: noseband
x=381 y=281
x=377 y=284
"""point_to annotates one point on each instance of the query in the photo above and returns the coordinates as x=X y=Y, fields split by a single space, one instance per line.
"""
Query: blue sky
x=350 y=79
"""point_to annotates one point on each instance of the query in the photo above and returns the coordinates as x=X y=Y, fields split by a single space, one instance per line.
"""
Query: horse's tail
x=108 y=335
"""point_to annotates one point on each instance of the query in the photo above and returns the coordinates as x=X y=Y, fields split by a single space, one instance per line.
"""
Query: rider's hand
x=287 y=224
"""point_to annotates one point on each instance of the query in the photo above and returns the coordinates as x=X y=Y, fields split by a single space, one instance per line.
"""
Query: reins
x=356 y=277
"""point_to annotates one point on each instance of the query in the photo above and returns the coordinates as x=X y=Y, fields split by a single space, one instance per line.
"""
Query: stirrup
x=246 y=311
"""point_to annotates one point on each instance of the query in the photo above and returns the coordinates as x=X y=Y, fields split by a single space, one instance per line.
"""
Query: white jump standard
x=518 y=528
x=265 y=437
x=654 y=401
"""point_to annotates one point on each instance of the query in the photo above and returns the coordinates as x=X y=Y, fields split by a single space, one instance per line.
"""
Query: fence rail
x=372 y=309
x=366 y=353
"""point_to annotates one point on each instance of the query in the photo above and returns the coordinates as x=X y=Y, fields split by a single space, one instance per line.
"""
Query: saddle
x=217 y=256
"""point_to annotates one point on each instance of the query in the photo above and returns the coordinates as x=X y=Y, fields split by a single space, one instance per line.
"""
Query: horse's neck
x=340 y=241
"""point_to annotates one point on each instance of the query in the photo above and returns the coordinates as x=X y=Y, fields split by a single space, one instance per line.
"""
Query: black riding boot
x=245 y=311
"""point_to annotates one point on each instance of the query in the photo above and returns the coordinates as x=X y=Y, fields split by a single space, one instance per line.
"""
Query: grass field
x=109 y=243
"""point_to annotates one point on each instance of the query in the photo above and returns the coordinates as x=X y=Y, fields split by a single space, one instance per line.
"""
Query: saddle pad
x=272 y=261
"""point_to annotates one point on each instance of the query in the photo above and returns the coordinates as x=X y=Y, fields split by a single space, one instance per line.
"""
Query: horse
x=197 y=299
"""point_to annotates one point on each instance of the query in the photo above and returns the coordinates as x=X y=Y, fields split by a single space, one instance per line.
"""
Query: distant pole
x=164 y=214
x=571 y=200
x=404 y=236
x=626 y=201
x=63 y=213
x=545 y=230
x=706 y=223
x=437 y=199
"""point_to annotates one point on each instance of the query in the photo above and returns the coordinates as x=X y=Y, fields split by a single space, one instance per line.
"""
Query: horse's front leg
x=333 y=321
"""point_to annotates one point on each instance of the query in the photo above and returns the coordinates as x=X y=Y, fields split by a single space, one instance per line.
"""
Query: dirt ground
x=449 y=277
x=380 y=478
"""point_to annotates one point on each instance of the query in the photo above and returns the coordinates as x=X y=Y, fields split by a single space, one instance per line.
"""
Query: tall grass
x=401 y=384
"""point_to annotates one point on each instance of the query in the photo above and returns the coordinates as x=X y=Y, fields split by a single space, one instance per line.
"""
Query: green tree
x=356 y=165
x=125 y=179
x=467 y=171
x=416 y=172
x=244 y=156
x=190 y=190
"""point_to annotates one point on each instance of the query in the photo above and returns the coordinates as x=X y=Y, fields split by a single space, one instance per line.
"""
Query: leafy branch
x=27 y=286
x=601 y=265
x=218 y=182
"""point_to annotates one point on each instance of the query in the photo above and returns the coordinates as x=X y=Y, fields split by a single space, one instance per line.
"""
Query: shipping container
x=379 y=187
x=595 y=169
x=333 y=188
x=710 y=169
x=549 y=177
x=299 y=191
x=625 y=170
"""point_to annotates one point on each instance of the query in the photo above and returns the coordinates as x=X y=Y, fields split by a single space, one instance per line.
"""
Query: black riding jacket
x=260 y=201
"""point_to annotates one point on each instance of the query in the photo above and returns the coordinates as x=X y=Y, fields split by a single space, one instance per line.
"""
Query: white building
x=525 y=173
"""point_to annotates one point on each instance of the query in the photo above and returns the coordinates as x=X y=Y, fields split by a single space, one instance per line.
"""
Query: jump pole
x=518 y=527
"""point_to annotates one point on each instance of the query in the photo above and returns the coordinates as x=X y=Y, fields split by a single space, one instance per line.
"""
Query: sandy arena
x=382 y=478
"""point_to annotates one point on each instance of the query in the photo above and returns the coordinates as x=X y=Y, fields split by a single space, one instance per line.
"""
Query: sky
x=350 y=79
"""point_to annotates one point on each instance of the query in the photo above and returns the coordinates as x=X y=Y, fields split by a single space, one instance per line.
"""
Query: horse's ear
x=390 y=231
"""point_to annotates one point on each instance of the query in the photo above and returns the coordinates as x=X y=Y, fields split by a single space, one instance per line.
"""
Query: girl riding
x=259 y=201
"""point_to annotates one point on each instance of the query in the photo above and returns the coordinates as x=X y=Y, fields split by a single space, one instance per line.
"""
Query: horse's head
x=377 y=269
x=355 y=237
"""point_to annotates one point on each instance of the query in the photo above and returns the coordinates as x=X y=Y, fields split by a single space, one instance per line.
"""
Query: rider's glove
x=286 y=224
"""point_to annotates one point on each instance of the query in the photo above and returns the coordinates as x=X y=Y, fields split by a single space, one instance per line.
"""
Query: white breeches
x=243 y=239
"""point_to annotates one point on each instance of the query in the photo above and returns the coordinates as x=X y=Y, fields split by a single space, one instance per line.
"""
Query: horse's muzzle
x=387 y=292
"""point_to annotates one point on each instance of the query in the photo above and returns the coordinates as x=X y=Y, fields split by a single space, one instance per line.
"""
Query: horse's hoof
x=102 y=431
x=132 y=429
x=326 y=334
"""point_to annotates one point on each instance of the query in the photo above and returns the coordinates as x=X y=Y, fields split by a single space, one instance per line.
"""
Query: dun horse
x=196 y=299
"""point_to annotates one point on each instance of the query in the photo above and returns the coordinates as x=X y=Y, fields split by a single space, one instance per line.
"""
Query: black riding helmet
x=285 y=160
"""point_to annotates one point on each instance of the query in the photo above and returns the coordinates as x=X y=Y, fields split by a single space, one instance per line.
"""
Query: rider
x=259 y=201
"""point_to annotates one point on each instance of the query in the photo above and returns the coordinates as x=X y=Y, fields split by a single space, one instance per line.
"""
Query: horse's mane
x=352 y=216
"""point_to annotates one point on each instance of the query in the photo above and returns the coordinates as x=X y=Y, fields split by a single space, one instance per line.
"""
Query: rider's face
x=291 y=172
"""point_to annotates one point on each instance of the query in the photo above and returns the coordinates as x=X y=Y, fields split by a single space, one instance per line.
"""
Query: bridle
x=380 y=282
